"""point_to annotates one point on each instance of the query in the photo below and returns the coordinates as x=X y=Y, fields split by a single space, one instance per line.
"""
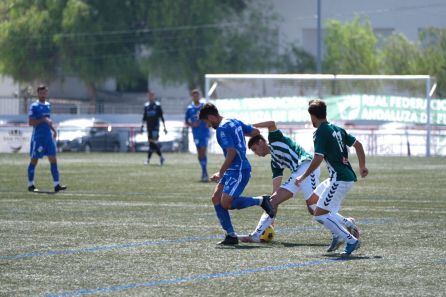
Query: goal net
x=368 y=103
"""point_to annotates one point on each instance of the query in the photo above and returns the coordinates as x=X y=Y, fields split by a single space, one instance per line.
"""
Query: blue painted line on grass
x=199 y=277
x=108 y=247
x=157 y=243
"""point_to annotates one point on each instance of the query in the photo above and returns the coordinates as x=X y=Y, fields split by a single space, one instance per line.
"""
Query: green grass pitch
x=126 y=229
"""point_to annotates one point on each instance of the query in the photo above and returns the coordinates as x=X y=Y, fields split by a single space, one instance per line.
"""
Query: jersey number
x=338 y=137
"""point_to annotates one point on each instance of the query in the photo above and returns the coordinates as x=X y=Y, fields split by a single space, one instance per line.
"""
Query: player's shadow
x=44 y=192
x=244 y=247
x=339 y=257
x=293 y=244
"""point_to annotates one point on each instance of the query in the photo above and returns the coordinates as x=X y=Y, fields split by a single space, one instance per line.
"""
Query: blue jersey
x=37 y=111
x=231 y=134
x=192 y=111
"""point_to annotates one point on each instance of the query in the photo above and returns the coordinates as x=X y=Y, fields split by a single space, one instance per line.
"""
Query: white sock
x=30 y=183
x=264 y=222
x=332 y=224
x=313 y=207
x=343 y=220
x=56 y=183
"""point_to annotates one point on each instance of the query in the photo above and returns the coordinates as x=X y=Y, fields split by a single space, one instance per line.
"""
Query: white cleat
x=249 y=238
x=354 y=230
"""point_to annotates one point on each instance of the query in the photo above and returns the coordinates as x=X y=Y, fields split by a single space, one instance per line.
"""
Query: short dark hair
x=318 y=108
x=207 y=110
x=255 y=140
x=195 y=91
x=41 y=87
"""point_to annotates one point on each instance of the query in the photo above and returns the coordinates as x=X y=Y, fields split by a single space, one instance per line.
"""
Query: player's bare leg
x=280 y=196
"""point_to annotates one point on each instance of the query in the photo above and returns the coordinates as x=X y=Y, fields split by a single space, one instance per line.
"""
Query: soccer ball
x=267 y=235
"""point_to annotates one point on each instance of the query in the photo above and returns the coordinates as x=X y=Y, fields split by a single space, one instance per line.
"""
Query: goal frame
x=429 y=89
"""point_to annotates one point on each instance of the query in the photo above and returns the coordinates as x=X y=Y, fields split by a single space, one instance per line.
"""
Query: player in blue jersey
x=200 y=131
x=235 y=171
x=42 y=139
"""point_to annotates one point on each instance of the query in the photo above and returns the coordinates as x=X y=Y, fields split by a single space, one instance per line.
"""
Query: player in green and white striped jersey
x=285 y=153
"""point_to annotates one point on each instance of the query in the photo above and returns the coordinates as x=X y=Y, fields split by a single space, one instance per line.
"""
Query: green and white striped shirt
x=285 y=153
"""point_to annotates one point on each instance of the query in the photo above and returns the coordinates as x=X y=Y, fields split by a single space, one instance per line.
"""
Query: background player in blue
x=151 y=117
x=42 y=140
x=235 y=171
x=200 y=131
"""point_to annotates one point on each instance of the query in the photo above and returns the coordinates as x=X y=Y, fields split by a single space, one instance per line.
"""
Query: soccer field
x=126 y=229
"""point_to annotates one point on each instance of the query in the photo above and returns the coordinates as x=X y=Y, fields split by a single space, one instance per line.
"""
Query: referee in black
x=151 y=117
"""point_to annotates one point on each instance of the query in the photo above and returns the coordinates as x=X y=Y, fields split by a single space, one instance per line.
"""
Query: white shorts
x=307 y=186
x=331 y=194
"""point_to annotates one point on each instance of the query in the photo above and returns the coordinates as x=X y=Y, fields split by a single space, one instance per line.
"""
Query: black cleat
x=229 y=240
x=59 y=188
x=267 y=206
x=32 y=188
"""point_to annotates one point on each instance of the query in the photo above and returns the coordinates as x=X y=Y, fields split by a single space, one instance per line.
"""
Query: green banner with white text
x=340 y=108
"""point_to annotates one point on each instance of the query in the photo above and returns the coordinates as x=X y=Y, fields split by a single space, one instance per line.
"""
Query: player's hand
x=165 y=131
x=55 y=134
x=215 y=177
x=363 y=171
x=299 y=180
x=141 y=129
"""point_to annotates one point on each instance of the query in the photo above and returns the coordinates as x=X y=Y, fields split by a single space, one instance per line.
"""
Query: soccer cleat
x=162 y=160
x=205 y=178
x=354 y=230
x=350 y=247
x=267 y=206
x=229 y=240
x=249 y=238
x=59 y=188
x=32 y=188
x=336 y=242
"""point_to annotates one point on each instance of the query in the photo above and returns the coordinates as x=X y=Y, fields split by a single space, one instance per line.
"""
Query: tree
x=433 y=59
x=399 y=56
x=350 y=48
x=177 y=40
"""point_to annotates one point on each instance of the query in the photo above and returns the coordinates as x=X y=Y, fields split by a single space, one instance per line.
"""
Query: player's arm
x=144 y=119
x=317 y=160
x=252 y=133
x=270 y=125
x=361 y=158
x=230 y=155
x=34 y=122
x=161 y=114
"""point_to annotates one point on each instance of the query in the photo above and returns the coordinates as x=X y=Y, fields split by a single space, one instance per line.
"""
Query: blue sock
x=203 y=163
x=224 y=218
x=31 y=170
x=244 y=202
x=55 y=173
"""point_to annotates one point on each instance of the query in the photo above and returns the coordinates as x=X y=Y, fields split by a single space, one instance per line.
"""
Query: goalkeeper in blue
x=42 y=139
x=235 y=171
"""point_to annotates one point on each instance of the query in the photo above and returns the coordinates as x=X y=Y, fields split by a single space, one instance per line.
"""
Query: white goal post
x=218 y=86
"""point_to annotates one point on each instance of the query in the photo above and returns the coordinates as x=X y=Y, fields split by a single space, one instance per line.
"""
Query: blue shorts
x=42 y=147
x=201 y=142
x=234 y=182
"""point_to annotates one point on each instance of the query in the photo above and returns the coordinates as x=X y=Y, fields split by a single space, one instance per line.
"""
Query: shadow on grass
x=293 y=244
x=338 y=256
x=244 y=247
x=44 y=192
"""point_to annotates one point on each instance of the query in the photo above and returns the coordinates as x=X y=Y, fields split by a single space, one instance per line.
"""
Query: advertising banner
x=340 y=108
